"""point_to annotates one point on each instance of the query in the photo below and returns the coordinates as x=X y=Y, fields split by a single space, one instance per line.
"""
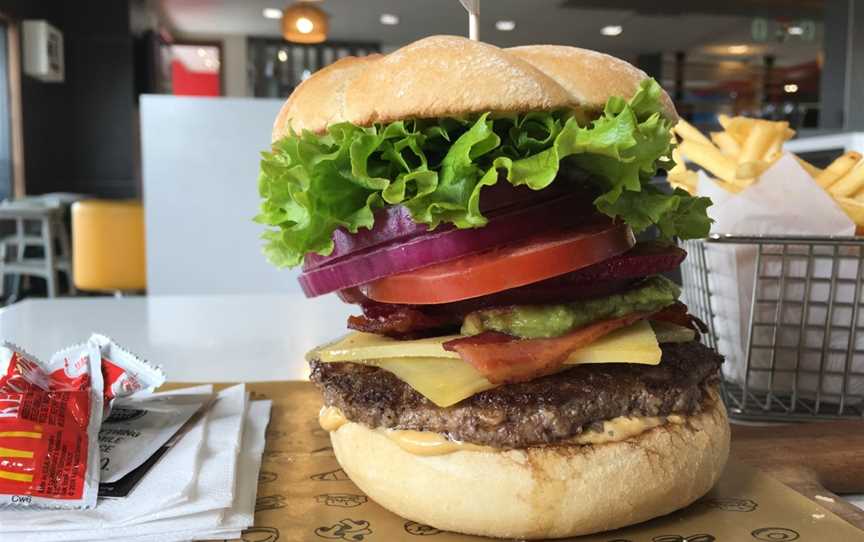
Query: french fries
x=854 y=209
x=750 y=170
x=709 y=157
x=739 y=154
x=689 y=132
x=849 y=184
x=839 y=167
x=755 y=146
x=746 y=148
x=807 y=166
x=737 y=127
x=679 y=176
x=844 y=180
x=726 y=143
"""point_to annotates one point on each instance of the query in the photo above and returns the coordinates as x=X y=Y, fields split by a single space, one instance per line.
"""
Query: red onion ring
x=394 y=223
x=443 y=245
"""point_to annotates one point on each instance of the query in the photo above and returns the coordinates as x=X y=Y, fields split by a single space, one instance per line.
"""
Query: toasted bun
x=443 y=76
x=549 y=492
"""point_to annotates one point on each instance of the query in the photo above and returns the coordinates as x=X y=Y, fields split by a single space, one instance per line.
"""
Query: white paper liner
x=785 y=201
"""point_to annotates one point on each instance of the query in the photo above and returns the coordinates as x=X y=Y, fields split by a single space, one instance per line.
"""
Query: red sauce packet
x=124 y=373
x=50 y=416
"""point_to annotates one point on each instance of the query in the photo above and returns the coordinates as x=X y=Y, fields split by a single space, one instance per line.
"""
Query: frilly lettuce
x=313 y=184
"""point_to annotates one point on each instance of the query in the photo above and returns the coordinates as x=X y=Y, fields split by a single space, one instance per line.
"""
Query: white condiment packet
x=136 y=428
x=785 y=201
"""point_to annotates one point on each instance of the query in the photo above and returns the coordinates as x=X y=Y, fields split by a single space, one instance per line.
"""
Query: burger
x=519 y=366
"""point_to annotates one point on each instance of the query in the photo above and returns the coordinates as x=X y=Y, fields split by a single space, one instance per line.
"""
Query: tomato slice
x=506 y=267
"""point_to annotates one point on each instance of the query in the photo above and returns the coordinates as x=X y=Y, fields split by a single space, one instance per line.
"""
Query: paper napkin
x=202 y=487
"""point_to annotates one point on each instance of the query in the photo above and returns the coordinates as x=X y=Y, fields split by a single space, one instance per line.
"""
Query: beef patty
x=541 y=411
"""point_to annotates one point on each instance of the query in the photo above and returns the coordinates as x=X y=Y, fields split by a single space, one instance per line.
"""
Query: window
x=11 y=152
x=276 y=67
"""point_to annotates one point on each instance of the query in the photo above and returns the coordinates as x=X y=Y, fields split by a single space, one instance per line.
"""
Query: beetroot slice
x=645 y=258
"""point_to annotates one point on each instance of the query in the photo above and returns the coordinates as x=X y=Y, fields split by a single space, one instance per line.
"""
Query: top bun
x=448 y=76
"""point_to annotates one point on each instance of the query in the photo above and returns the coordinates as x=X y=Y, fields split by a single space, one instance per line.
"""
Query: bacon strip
x=677 y=313
x=504 y=359
x=403 y=321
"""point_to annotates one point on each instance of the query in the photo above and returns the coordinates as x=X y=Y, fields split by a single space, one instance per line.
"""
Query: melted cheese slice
x=442 y=376
x=443 y=381
x=636 y=343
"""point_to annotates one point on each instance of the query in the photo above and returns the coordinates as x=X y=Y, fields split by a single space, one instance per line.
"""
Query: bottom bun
x=542 y=492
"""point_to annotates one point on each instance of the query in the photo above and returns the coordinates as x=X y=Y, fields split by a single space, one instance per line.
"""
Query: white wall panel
x=200 y=167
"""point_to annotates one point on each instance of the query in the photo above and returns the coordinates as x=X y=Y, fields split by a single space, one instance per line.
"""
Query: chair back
x=108 y=250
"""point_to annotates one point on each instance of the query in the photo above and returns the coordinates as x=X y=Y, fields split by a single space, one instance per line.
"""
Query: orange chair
x=108 y=246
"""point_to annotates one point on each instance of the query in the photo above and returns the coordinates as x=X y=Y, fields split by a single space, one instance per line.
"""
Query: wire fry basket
x=798 y=352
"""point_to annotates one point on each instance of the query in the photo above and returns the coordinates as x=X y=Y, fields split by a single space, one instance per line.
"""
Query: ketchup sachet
x=50 y=416
x=124 y=373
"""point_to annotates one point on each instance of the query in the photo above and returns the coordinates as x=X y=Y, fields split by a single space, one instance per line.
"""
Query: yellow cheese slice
x=443 y=381
x=633 y=344
x=443 y=378
x=359 y=346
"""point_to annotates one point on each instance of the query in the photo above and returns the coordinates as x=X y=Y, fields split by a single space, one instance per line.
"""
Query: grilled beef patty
x=542 y=411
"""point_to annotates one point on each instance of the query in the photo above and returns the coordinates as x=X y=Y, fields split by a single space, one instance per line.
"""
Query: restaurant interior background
x=151 y=113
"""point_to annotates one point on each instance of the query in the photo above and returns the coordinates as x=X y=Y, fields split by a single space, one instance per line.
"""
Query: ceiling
x=537 y=21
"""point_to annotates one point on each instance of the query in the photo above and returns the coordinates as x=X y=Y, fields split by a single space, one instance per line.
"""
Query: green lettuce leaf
x=311 y=184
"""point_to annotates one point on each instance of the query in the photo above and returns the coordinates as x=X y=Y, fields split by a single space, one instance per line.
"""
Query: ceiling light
x=282 y=55
x=303 y=22
x=790 y=88
x=738 y=49
x=304 y=25
x=505 y=26
x=389 y=19
x=612 y=30
x=272 y=13
x=795 y=30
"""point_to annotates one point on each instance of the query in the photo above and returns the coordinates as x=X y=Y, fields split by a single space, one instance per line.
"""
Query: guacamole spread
x=544 y=321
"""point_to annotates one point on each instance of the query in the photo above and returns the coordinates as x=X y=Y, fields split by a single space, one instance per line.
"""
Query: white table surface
x=225 y=338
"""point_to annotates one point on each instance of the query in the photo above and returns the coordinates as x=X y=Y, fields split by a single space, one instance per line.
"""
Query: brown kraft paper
x=303 y=495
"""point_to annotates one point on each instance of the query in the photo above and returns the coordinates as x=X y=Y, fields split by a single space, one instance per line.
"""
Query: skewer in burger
x=521 y=368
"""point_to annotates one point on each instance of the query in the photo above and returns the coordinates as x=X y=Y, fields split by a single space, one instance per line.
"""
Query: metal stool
x=49 y=218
